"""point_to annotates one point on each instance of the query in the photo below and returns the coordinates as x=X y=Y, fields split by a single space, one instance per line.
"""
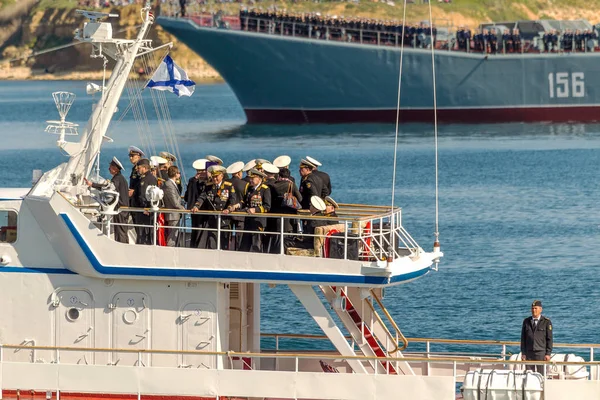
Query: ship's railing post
x=154 y=230
x=427 y=350
x=309 y=31
x=282 y=28
x=378 y=38
x=246 y=24
x=281 y=242
x=293 y=29
x=591 y=354
x=454 y=373
x=327 y=33
x=396 y=39
x=504 y=351
x=361 y=36
x=219 y=234
x=346 y=240
x=258 y=25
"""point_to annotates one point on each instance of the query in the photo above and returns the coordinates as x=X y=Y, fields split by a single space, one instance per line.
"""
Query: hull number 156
x=565 y=84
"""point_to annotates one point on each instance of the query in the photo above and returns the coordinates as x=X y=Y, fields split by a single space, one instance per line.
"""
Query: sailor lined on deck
x=256 y=200
x=282 y=187
x=283 y=163
x=172 y=200
x=323 y=176
x=118 y=180
x=218 y=196
x=171 y=160
x=237 y=221
x=310 y=185
x=135 y=155
x=196 y=186
x=139 y=196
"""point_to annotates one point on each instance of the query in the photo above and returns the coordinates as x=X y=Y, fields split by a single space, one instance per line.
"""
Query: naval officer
x=536 y=337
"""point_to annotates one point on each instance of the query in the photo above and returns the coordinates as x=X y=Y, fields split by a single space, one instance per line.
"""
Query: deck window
x=8 y=226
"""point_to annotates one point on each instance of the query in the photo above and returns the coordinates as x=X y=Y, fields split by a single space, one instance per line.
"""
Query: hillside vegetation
x=28 y=26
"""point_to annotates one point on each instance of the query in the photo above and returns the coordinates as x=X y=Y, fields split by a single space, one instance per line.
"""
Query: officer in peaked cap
x=168 y=156
x=195 y=186
x=237 y=222
x=220 y=196
x=323 y=176
x=214 y=159
x=331 y=205
x=161 y=167
x=256 y=200
x=273 y=224
x=310 y=185
x=135 y=154
x=118 y=180
x=247 y=167
x=139 y=197
x=536 y=337
x=283 y=162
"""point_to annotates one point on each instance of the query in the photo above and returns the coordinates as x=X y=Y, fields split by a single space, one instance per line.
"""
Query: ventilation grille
x=234 y=290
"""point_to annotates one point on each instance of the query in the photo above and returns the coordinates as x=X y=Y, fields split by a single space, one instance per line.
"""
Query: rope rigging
x=436 y=245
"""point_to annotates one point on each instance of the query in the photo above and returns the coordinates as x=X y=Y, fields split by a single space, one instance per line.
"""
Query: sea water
x=518 y=203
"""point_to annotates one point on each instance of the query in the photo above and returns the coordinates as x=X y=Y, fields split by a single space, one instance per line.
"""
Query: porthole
x=73 y=314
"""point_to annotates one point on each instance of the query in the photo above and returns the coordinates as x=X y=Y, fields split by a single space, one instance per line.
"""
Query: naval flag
x=169 y=76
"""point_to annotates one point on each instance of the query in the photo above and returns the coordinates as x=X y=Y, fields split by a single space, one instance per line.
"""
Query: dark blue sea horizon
x=518 y=214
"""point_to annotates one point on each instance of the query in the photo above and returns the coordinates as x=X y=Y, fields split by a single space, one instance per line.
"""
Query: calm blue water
x=518 y=203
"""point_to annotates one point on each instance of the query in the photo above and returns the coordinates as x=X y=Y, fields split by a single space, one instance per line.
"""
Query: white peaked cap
x=270 y=168
x=313 y=161
x=167 y=155
x=235 y=167
x=158 y=160
x=200 y=164
x=134 y=149
x=318 y=203
x=116 y=161
x=214 y=159
x=249 y=165
x=282 y=161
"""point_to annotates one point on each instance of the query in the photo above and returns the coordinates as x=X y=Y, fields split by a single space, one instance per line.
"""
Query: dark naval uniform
x=192 y=192
x=278 y=189
x=216 y=198
x=324 y=177
x=139 y=197
x=237 y=222
x=310 y=186
x=536 y=341
x=258 y=198
x=134 y=183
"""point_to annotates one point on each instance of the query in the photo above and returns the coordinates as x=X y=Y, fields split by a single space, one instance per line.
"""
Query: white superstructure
x=85 y=316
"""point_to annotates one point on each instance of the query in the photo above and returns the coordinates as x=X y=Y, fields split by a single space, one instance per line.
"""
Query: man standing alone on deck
x=536 y=337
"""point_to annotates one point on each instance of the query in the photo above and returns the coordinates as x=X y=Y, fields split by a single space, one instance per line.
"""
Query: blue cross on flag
x=170 y=76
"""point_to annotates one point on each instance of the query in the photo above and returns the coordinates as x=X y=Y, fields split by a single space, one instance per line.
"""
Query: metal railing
x=446 y=39
x=364 y=232
x=457 y=363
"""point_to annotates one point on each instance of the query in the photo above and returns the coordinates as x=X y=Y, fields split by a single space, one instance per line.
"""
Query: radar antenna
x=63 y=101
x=96 y=16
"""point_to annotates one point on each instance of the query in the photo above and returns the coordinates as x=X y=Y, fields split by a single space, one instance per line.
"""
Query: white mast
x=124 y=52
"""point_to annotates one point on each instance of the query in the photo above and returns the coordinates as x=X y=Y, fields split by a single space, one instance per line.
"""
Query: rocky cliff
x=30 y=31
